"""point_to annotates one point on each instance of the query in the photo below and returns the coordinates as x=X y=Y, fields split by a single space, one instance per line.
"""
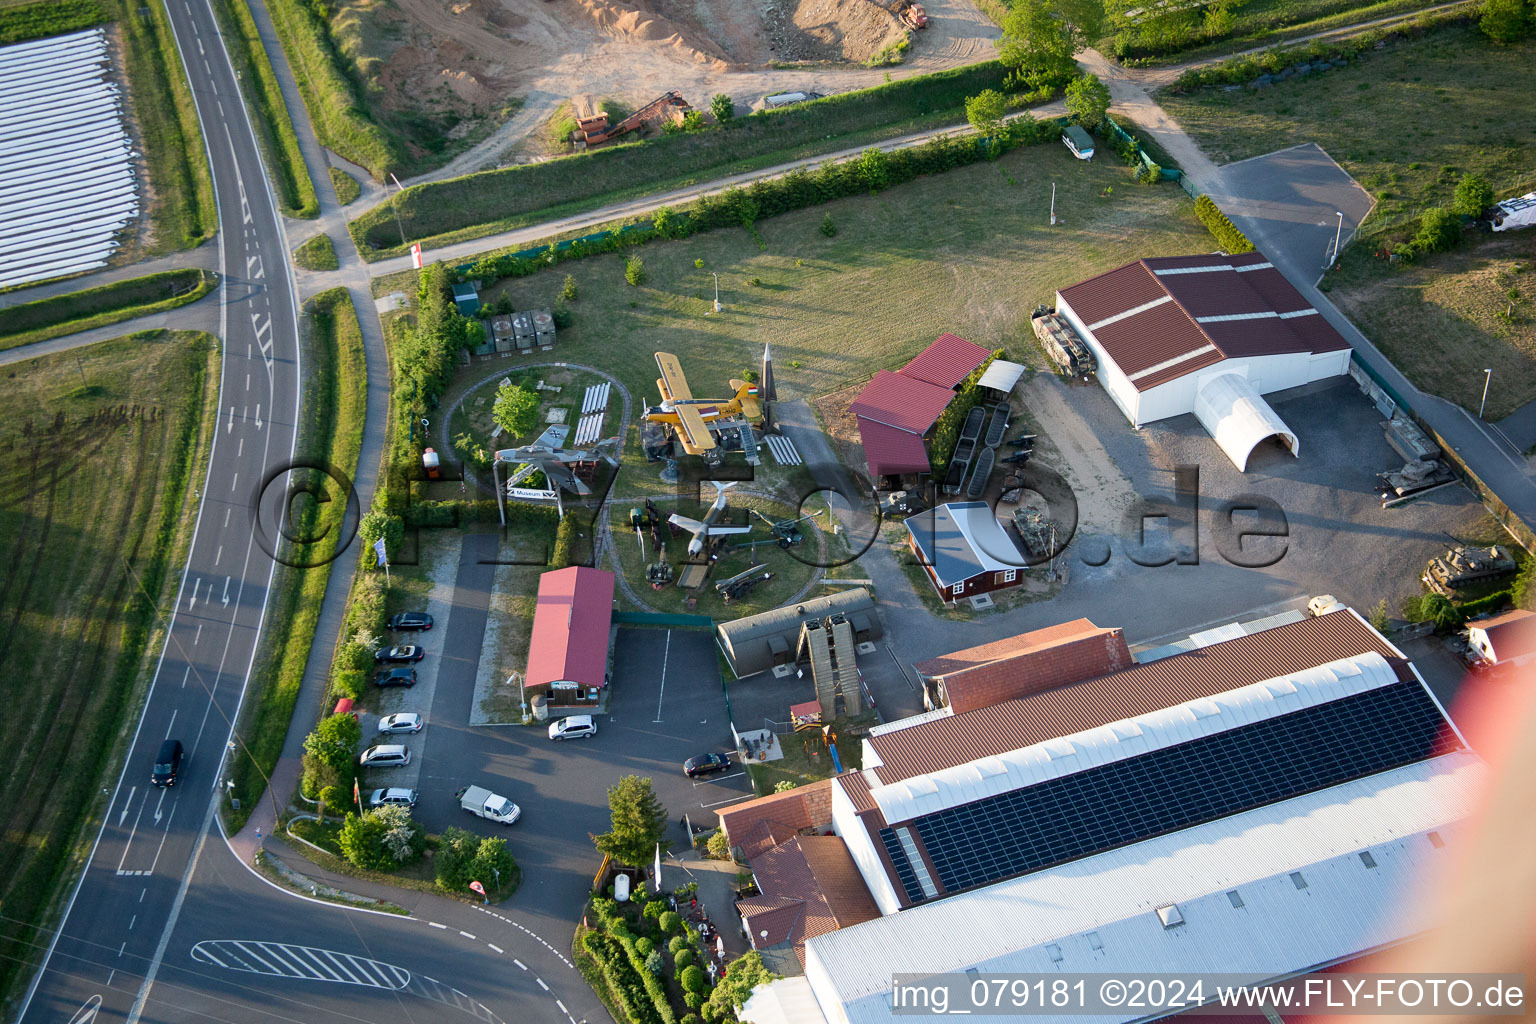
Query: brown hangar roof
x=1164 y=317
x=810 y=886
x=1020 y=665
x=945 y=742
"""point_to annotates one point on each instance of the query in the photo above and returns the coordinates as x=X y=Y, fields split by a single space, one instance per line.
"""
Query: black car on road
x=167 y=763
x=411 y=620
x=396 y=677
x=405 y=652
x=704 y=764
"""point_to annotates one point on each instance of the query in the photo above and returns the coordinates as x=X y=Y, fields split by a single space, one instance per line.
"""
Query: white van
x=573 y=727
x=385 y=755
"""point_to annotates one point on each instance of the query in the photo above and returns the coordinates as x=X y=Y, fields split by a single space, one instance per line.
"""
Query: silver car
x=394 y=795
x=573 y=727
x=385 y=755
x=405 y=721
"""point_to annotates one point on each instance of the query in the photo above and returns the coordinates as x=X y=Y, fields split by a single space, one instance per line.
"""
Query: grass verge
x=1262 y=22
x=87 y=572
x=180 y=194
x=347 y=188
x=317 y=253
x=419 y=875
x=99 y=307
x=335 y=109
x=332 y=430
x=274 y=128
x=48 y=18
x=483 y=204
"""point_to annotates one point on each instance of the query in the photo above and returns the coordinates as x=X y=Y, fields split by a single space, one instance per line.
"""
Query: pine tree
x=639 y=822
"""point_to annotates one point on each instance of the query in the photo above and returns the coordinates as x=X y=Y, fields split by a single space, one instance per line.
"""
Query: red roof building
x=896 y=410
x=1018 y=666
x=568 y=652
x=1507 y=639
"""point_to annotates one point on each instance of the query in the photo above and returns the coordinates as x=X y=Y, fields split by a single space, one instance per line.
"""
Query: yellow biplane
x=693 y=417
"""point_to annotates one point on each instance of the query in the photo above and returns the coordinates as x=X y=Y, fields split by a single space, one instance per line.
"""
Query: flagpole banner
x=381 y=552
x=656 y=882
x=416 y=256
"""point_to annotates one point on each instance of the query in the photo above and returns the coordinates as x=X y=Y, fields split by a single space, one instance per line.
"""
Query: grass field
x=100 y=307
x=347 y=188
x=483 y=204
x=969 y=251
x=332 y=429
x=1407 y=122
x=317 y=253
x=20 y=21
x=87 y=569
x=1449 y=316
x=1263 y=22
x=274 y=128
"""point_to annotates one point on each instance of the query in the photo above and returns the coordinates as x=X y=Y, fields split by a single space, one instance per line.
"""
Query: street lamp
x=1338 y=233
x=717 y=291
x=1487 y=379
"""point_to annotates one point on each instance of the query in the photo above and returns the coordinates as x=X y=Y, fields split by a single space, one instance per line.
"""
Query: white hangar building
x=1209 y=335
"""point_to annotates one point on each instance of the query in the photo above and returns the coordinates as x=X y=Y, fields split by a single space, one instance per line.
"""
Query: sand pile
x=832 y=30
x=637 y=21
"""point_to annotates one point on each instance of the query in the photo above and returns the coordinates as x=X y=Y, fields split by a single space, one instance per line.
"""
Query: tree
x=985 y=112
x=692 y=979
x=827 y=227
x=493 y=866
x=634 y=270
x=376 y=524
x=1473 y=196
x=330 y=797
x=1439 y=230
x=362 y=841
x=639 y=822
x=1088 y=100
x=516 y=410
x=334 y=741
x=1040 y=37
x=722 y=107
x=455 y=858
x=401 y=837
x=664 y=222
x=735 y=986
x=669 y=921
x=874 y=168
x=1506 y=21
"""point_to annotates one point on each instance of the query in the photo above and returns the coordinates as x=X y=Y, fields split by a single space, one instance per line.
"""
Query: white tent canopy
x=1001 y=375
x=1239 y=418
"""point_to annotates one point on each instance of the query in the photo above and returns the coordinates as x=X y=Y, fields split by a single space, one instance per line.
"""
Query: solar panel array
x=1165 y=790
x=67 y=183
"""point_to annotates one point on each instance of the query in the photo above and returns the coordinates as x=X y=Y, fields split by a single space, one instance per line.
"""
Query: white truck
x=484 y=804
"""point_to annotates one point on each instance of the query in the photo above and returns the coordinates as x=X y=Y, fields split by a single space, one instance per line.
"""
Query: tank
x=1034 y=530
x=1462 y=566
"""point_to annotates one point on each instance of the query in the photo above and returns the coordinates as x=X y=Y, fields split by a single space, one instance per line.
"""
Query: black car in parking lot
x=404 y=652
x=706 y=763
x=396 y=677
x=411 y=620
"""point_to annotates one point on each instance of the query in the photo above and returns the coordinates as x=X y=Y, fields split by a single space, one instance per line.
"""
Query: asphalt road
x=122 y=911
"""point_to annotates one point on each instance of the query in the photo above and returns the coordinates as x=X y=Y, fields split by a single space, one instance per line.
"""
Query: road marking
x=124 y=812
x=110 y=975
x=132 y=921
x=562 y=1006
x=231 y=424
x=666 y=651
x=217 y=555
x=234 y=482
x=207 y=67
x=199 y=47
x=434 y=924
x=226 y=515
x=172 y=724
x=254 y=268
x=465 y=934
x=247 y=382
x=220 y=106
x=541 y=983
x=495 y=947
x=240 y=450
x=224 y=599
x=198 y=635
x=184 y=677
x=258 y=415
x=307 y=962
x=520 y=963
x=193 y=602
x=142 y=892
x=122 y=947
x=261 y=323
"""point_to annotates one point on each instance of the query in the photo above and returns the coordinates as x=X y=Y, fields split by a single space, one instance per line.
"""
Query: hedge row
x=619 y=932
x=1232 y=240
x=743 y=207
x=624 y=980
x=1240 y=70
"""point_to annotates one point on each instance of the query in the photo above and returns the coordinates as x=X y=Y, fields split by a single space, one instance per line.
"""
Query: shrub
x=1506 y=21
x=349 y=683
x=1439 y=230
x=669 y=922
x=677 y=944
x=653 y=960
x=654 y=909
x=721 y=106
x=784 y=785
x=698 y=264
x=377 y=524
x=719 y=847
x=692 y=979
x=644 y=945
x=693 y=1000
x=985 y=111
x=562 y=316
x=333 y=742
x=1227 y=235
x=331 y=798
x=690 y=1018
x=683 y=957
x=827 y=227
x=568 y=289
x=565 y=543
x=1473 y=196
x=634 y=270
x=381 y=839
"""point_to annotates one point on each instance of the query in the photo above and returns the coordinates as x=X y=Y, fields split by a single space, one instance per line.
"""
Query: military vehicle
x=1462 y=566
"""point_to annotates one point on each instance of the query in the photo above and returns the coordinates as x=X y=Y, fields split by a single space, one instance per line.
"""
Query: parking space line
x=732 y=800
x=665 y=651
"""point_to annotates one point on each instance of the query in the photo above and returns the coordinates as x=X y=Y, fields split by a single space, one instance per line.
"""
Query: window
x=1236 y=899
x=1297 y=880
x=1094 y=942
x=1367 y=859
x=958 y=588
x=1054 y=952
x=1171 y=915
x=1009 y=575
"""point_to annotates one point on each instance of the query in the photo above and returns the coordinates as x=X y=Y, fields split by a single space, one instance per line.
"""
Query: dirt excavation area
x=480 y=59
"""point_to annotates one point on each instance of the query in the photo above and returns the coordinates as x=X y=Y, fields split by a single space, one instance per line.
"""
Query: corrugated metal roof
x=1009 y=647
x=947 y=362
x=1002 y=375
x=1132 y=737
x=890 y=450
x=789 y=617
x=1345 y=909
x=571 y=618
x=1166 y=336
x=962 y=539
x=1511 y=635
x=1076 y=707
x=902 y=402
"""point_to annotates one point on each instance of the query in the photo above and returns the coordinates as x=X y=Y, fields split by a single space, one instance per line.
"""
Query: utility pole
x=1487 y=379
x=1053 y=203
x=1338 y=233
x=395 y=207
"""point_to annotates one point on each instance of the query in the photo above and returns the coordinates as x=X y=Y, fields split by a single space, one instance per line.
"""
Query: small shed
x=1078 y=141
x=568 y=653
x=964 y=550
x=1508 y=639
x=467 y=297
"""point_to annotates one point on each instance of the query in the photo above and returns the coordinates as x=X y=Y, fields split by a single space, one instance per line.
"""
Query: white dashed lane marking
x=541 y=984
x=465 y=934
x=495 y=947
x=434 y=924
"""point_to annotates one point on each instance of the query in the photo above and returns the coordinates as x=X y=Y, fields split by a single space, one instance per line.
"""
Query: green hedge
x=769 y=197
x=947 y=430
x=624 y=981
x=98 y=307
x=1489 y=603
x=514 y=196
x=1231 y=240
x=48 y=18
x=340 y=119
